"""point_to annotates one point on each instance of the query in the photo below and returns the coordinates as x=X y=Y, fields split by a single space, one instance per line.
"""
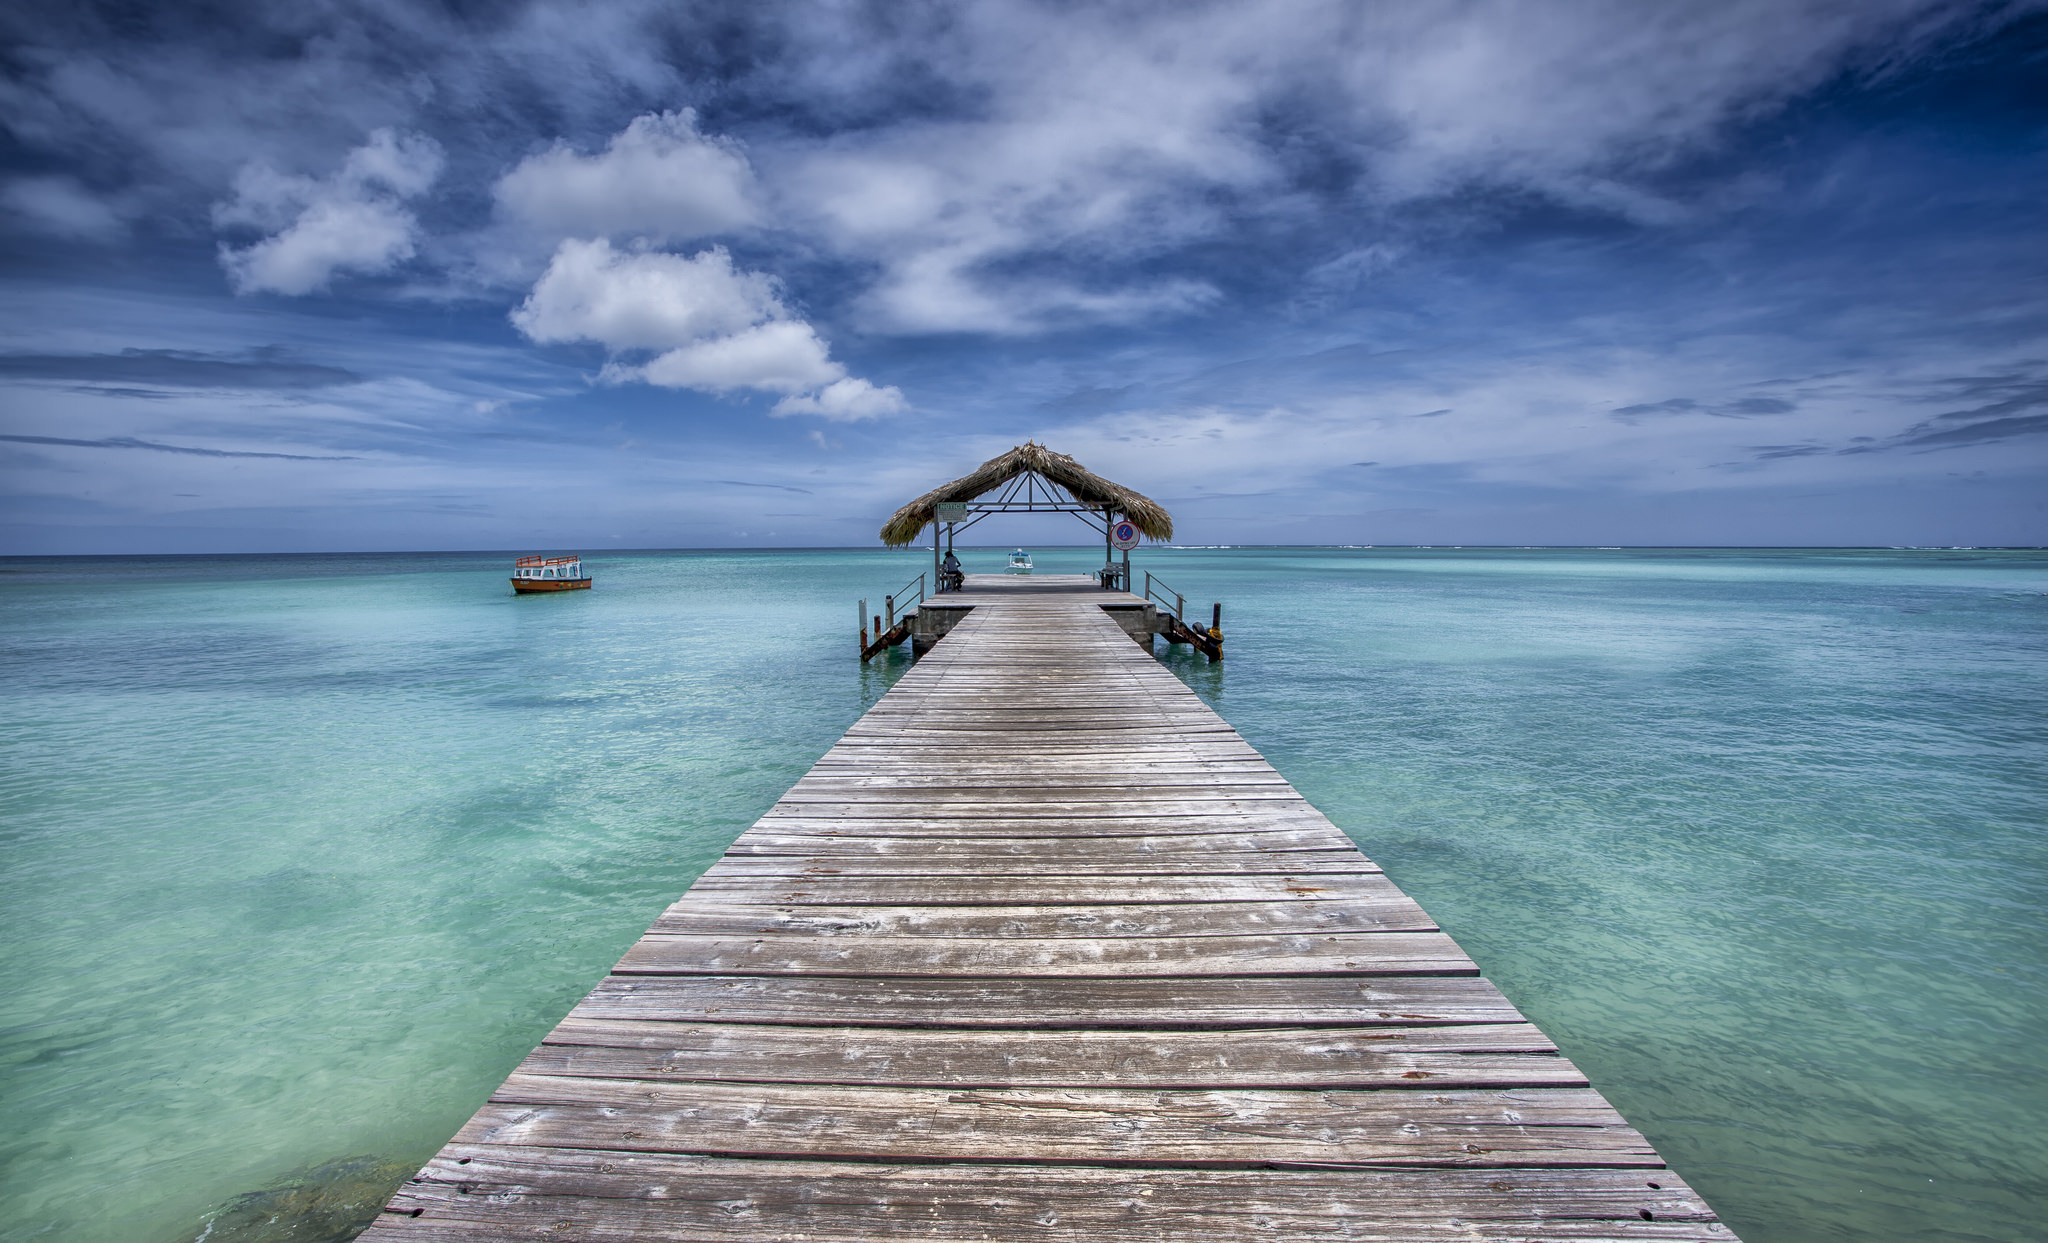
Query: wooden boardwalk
x=1041 y=949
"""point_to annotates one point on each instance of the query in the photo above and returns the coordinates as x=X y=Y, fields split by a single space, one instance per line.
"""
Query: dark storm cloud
x=269 y=368
x=130 y=442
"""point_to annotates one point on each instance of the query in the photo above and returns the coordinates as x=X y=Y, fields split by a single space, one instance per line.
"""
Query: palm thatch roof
x=1082 y=484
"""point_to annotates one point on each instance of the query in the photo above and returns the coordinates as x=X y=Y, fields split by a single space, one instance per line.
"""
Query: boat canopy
x=548 y=567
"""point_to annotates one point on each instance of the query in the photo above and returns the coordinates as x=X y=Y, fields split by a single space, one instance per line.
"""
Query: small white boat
x=1020 y=562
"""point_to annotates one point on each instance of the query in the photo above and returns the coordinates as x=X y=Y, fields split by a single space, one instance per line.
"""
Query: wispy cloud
x=779 y=487
x=2018 y=408
x=262 y=368
x=1766 y=453
x=1739 y=408
x=130 y=442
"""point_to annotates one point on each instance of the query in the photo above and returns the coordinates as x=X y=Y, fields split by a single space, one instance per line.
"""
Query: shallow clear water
x=302 y=854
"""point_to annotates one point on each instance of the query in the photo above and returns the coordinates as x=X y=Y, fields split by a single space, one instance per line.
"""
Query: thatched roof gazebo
x=1020 y=474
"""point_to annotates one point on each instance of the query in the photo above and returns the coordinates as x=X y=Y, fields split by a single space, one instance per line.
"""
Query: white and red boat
x=531 y=574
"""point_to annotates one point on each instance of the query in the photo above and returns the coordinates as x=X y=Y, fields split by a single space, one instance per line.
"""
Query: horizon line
x=522 y=550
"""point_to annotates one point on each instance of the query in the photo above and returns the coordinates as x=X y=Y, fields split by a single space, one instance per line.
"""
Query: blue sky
x=392 y=276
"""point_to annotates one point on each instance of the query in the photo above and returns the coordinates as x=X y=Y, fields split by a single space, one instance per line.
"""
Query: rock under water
x=329 y=1203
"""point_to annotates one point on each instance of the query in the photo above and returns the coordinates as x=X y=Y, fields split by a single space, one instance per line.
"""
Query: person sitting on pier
x=950 y=576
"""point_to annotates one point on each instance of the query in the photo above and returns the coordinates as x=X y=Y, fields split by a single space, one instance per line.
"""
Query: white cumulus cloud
x=846 y=400
x=781 y=356
x=659 y=178
x=647 y=300
x=354 y=220
x=710 y=325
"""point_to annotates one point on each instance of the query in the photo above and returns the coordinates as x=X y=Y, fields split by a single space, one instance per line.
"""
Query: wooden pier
x=1042 y=949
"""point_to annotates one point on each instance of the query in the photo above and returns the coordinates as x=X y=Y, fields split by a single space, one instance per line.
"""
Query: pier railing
x=1166 y=597
x=1177 y=628
x=904 y=599
x=893 y=602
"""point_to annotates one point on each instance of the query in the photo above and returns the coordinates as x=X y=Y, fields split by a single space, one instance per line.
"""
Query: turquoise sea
x=299 y=855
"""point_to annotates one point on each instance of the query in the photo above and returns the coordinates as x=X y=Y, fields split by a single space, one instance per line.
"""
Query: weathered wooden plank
x=485 y=1191
x=1205 y=742
x=1163 y=1004
x=765 y=841
x=1064 y=1050
x=1390 y=911
x=971 y=747
x=973 y=757
x=1084 y=770
x=1001 y=712
x=990 y=787
x=1081 y=688
x=940 y=729
x=969 y=809
x=1189 y=800
x=1127 y=819
x=1168 y=760
x=1450 y=1127
x=966 y=823
x=1006 y=715
x=832 y=890
x=888 y=1064
x=1305 y=863
x=1506 y=1055
x=1131 y=820
x=1007 y=707
x=1365 y=953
